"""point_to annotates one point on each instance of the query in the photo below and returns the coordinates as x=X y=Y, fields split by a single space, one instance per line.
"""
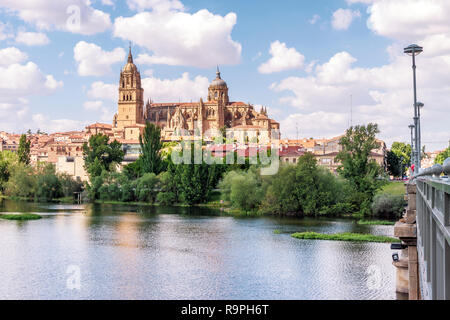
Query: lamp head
x=411 y=126
x=420 y=104
x=413 y=49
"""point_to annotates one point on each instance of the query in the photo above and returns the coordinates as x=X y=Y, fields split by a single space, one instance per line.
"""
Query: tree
x=394 y=164
x=22 y=181
x=403 y=151
x=99 y=155
x=8 y=160
x=442 y=156
x=194 y=182
x=145 y=187
x=24 y=150
x=151 y=146
x=356 y=165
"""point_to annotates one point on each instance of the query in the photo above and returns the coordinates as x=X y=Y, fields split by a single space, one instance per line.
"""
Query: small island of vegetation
x=346 y=236
x=20 y=217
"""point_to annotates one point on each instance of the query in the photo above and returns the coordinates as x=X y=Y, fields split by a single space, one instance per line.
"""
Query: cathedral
x=181 y=120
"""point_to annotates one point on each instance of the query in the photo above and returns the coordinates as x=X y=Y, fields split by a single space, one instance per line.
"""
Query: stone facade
x=178 y=120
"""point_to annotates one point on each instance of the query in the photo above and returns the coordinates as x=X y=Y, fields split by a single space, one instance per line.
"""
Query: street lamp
x=420 y=105
x=414 y=50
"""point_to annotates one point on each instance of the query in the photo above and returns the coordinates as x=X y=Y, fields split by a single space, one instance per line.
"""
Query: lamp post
x=414 y=50
x=411 y=127
x=420 y=105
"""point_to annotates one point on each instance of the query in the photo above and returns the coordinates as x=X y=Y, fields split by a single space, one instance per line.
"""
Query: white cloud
x=314 y=19
x=93 y=105
x=76 y=16
x=160 y=5
x=182 y=89
x=92 y=60
x=201 y=39
x=380 y=94
x=11 y=55
x=43 y=122
x=409 y=19
x=308 y=124
x=104 y=91
x=342 y=18
x=283 y=58
x=32 y=38
x=18 y=81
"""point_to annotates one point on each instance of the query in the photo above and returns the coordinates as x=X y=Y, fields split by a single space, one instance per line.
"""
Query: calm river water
x=133 y=252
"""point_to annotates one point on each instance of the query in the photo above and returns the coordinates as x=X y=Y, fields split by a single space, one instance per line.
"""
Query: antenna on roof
x=296 y=128
x=351 y=110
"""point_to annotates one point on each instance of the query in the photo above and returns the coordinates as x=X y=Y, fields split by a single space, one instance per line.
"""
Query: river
x=142 y=252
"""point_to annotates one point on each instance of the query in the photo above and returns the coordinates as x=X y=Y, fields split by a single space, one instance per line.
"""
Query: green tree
x=194 y=182
x=22 y=181
x=151 y=146
x=403 y=151
x=99 y=155
x=394 y=164
x=24 y=150
x=356 y=165
x=8 y=160
x=440 y=158
x=243 y=189
x=146 y=188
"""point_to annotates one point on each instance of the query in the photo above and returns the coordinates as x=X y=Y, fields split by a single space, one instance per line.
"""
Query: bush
x=242 y=189
x=22 y=182
x=388 y=206
x=166 y=198
x=145 y=187
x=48 y=187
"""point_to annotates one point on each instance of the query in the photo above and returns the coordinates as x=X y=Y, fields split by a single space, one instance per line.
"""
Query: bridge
x=423 y=267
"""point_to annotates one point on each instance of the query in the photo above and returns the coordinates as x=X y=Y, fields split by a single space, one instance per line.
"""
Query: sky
x=318 y=66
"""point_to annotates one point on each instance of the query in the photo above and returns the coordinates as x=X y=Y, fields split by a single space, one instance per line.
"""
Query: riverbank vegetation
x=307 y=189
x=20 y=217
x=354 y=237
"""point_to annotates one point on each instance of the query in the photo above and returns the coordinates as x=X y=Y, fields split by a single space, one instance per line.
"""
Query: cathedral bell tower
x=131 y=96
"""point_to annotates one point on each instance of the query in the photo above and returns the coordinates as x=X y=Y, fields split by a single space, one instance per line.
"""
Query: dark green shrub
x=166 y=198
x=388 y=206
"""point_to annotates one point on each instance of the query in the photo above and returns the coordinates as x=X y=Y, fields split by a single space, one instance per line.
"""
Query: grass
x=376 y=222
x=276 y=231
x=354 y=237
x=394 y=188
x=21 y=217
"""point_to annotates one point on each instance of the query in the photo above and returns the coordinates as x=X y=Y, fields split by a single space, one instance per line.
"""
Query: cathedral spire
x=130 y=56
x=218 y=73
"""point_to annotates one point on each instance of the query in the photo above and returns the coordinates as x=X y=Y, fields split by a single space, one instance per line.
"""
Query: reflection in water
x=142 y=252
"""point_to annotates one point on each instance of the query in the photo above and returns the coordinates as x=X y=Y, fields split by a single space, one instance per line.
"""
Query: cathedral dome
x=218 y=82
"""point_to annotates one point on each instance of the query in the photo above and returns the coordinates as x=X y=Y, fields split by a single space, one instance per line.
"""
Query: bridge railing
x=433 y=231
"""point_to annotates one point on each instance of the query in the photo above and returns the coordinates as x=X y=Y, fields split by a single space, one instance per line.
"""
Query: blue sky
x=323 y=52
